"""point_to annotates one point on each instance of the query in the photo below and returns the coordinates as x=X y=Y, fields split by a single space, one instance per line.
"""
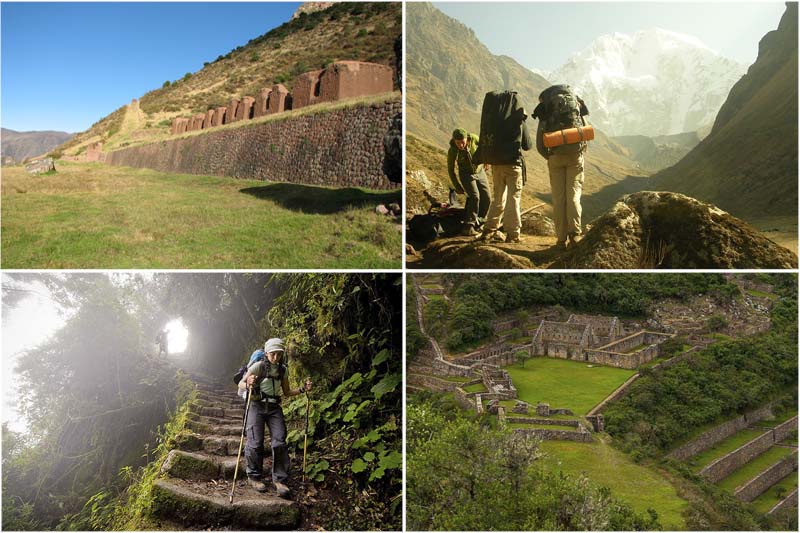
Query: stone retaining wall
x=543 y=421
x=342 y=147
x=763 y=481
x=449 y=369
x=719 y=433
x=786 y=504
x=786 y=429
x=432 y=383
x=730 y=462
x=557 y=434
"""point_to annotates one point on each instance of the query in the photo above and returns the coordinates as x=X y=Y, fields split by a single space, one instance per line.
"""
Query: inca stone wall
x=786 y=504
x=763 y=481
x=729 y=463
x=343 y=147
x=786 y=429
x=719 y=433
x=432 y=383
x=557 y=434
x=543 y=421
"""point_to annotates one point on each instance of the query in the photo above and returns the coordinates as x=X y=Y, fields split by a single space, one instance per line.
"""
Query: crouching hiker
x=470 y=180
x=269 y=384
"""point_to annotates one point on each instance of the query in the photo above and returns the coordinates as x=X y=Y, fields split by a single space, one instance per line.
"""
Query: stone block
x=219 y=116
x=543 y=409
x=520 y=407
x=247 y=105
x=279 y=99
x=350 y=79
x=306 y=89
x=262 y=103
x=233 y=110
x=182 y=126
x=208 y=121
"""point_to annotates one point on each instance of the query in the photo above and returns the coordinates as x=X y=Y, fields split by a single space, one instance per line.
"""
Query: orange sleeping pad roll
x=570 y=136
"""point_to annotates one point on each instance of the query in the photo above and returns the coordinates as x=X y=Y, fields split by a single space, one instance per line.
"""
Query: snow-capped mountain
x=654 y=82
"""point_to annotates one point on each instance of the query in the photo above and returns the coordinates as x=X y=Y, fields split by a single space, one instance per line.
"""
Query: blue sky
x=543 y=35
x=67 y=65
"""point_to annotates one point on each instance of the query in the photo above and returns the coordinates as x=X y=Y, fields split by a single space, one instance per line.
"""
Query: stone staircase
x=196 y=477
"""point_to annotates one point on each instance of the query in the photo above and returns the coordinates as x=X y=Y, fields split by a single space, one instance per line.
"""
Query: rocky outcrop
x=196 y=477
x=670 y=230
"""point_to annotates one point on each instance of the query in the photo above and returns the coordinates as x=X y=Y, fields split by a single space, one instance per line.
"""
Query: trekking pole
x=305 y=440
x=241 y=441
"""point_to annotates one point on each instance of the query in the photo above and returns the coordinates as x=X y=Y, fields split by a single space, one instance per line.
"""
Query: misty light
x=177 y=336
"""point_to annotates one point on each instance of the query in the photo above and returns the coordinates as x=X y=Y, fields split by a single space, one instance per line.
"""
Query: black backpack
x=501 y=139
x=560 y=109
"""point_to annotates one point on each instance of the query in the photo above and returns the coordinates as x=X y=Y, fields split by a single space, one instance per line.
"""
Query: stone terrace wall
x=543 y=421
x=343 y=147
x=786 y=504
x=763 y=481
x=728 y=463
x=557 y=434
x=719 y=433
x=432 y=383
x=786 y=429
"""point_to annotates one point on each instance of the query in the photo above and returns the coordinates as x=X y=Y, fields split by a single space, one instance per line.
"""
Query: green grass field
x=754 y=467
x=477 y=387
x=736 y=440
x=761 y=294
x=769 y=498
x=566 y=384
x=638 y=485
x=778 y=420
x=90 y=215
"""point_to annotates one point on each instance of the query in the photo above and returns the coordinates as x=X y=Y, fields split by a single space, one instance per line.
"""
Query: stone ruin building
x=596 y=339
x=339 y=81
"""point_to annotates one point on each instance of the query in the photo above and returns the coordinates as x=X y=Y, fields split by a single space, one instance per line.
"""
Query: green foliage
x=716 y=323
x=343 y=330
x=166 y=84
x=414 y=338
x=521 y=356
x=499 y=481
x=255 y=57
x=165 y=122
x=664 y=407
x=435 y=314
x=361 y=33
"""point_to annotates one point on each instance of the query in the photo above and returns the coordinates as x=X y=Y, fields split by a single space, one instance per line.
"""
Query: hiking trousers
x=507 y=184
x=477 y=188
x=566 y=182
x=271 y=415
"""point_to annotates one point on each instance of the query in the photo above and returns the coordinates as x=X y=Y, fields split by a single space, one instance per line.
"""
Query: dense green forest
x=103 y=411
x=475 y=299
x=498 y=480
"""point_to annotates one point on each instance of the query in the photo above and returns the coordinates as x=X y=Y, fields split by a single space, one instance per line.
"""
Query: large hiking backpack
x=502 y=115
x=561 y=108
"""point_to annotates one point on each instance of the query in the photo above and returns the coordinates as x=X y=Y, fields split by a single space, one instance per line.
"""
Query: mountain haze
x=653 y=82
x=19 y=145
x=747 y=165
x=448 y=73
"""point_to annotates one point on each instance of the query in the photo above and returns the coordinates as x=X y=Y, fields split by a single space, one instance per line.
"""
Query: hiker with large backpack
x=267 y=382
x=504 y=135
x=163 y=343
x=561 y=138
x=470 y=180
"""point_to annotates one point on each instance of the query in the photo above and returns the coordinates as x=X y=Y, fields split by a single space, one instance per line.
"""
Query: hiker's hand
x=307 y=385
x=250 y=380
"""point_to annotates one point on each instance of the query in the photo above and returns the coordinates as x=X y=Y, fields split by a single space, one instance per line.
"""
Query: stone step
x=214 y=429
x=219 y=412
x=223 y=404
x=227 y=396
x=206 y=504
x=181 y=464
x=212 y=444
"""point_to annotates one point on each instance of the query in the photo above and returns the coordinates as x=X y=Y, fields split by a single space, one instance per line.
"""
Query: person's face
x=461 y=143
x=274 y=357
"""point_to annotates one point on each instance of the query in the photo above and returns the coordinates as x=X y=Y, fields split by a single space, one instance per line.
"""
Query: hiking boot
x=575 y=238
x=514 y=240
x=469 y=231
x=491 y=236
x=257 y=484
x=282 y=490
x=560 y=245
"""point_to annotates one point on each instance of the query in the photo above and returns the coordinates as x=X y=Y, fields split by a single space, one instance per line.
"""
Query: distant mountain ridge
x=20 y=145
x=747 y=165
x=652 y=82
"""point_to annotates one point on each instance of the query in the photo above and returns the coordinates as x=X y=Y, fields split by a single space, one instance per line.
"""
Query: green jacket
x=456 y=156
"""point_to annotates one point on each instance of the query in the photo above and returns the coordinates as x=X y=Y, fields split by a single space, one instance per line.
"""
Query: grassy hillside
x=344 y=31
x=748 y=163
x=90 y=215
